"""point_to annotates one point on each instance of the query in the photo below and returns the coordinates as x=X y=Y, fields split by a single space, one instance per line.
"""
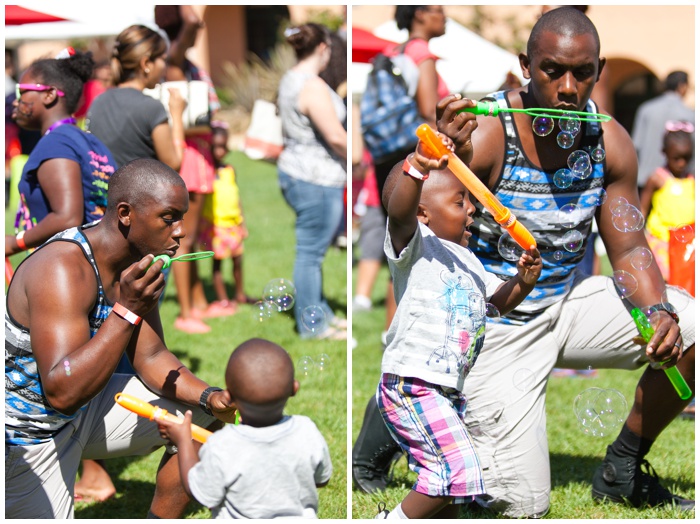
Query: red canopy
x=17 y=15
x=365 y=45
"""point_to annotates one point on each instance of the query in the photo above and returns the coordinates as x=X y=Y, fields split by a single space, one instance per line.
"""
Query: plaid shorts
x=427 y=421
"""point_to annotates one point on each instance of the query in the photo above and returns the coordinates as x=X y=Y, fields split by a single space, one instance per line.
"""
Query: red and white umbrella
x=365 y=45
x=18 y=15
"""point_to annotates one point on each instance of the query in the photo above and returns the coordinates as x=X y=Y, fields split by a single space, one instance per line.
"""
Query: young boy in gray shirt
x=269 y=465
x=441 y=291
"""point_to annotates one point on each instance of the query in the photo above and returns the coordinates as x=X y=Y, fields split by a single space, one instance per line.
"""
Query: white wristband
x=409 y=170
x=127 y=315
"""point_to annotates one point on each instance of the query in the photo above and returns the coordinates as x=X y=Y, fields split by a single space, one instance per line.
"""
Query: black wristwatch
x=668 y=308
x=204 y=397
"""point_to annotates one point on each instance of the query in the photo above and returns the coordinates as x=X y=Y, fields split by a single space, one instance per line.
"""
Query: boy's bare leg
x=419 y=506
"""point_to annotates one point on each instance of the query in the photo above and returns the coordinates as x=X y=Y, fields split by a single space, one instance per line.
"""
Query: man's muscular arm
x=621 y=181
x=55 y=308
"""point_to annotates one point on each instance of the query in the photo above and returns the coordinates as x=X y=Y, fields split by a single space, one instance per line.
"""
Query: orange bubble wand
x=500 y=213
x=151 y=412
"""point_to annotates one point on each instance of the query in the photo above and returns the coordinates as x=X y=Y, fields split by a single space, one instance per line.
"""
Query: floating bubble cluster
x=627 y=218
x=625 y=283
x=280 y=292
x=492 y=311
x=600 y=412
x=569 y=215
x=509 y=248
x=278 y=295
x=305 y=366
x=602 y=197
x=641 y=258
x=523 y=379
x=681 y=300
x=573 y=241
x=565 y=139
x=684 y=234
x=598 y=154
x=617 y=205
x=322 y=362
x=563 y=178
x=542 y=125
x=580 y=164
x=66 y=367
x=570 y=123
x=264 y=310
x=313 y=318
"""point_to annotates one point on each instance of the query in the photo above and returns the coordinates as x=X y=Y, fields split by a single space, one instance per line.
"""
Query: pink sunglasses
x=35 y=87
x=673 y=126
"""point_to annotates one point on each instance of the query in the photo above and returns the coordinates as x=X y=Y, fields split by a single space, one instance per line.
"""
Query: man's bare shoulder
x=60 y=262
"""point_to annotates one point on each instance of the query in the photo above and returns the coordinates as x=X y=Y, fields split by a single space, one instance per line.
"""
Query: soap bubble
x=280 y=292
x=641 y=258
x=684 y=234
x=565 y=139
x=570 y=123
x=509 y=248
x=66 y=365
x=600 y=412
x=558 y=255
x=582 y=168
x=576 y=156
x=617 y=205
x=598 y=154
x=602 y=197
x=542 y=125
x=305 y=366
x=313 y=318
x=322 y=362
x=264 y=310
x=582 y=175
x=492 y=311
x=569 y=215
x=628 y=218
x=625 y=283
x=563 y=178
x=680 y=301
x=523 y=379
x=573 y=240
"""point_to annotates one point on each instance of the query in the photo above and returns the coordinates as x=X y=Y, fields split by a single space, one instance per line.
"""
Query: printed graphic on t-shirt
x=465 y=324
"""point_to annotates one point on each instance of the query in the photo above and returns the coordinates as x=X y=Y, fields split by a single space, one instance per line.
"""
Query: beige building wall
x=635 y=39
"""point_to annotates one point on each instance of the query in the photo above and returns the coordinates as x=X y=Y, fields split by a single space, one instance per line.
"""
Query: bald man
x=270 y=465
x=74 y=307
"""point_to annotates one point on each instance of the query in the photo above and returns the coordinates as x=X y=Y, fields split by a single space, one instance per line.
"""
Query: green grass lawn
x=269 y=254
x=574 y=455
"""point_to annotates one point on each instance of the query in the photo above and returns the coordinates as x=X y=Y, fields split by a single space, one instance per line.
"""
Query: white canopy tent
x=468 y=63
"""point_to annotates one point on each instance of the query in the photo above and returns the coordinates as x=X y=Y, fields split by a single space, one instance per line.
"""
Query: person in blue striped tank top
x=90 y=296
x=570 y=320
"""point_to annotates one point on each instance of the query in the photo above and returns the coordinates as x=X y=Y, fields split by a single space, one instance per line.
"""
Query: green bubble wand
x=646 y=331
x=188 y=257
x=492 y=109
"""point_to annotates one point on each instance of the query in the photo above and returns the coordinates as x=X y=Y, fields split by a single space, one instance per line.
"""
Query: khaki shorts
x=39 y=479
x=506 y=388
